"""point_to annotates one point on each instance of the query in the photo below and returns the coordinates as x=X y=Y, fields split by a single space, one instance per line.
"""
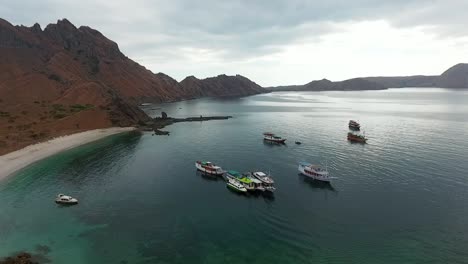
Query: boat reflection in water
x=316 y=183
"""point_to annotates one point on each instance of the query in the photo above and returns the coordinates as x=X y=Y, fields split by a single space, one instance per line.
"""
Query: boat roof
x=259 y=173
x=268 y=134
x=233 y=172
x=255 y=180
x=245 y=180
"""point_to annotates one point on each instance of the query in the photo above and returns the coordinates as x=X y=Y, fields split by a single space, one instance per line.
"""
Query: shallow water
x=402 y=198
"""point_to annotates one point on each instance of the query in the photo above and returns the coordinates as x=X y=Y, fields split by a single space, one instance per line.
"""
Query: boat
x=354 y=125
x=235 y=185
x=356 y=138
x=258 y=185
x=315 y=172
x=266 y=180
x=298 y=142
x=65 y=199
x=242 y=178
x=209 y=168
x=273 y=138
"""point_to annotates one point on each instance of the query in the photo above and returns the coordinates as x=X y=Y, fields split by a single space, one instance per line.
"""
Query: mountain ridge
x=454 y=77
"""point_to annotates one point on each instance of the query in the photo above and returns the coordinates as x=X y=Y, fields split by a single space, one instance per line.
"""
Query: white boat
x=315 y=172
x=266 y=180
x=258 y=185
x=235 y=185
x=208 y=168
x=273 y=138
x=65 y=199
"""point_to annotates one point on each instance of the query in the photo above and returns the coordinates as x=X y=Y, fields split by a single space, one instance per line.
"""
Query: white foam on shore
x=16 y=160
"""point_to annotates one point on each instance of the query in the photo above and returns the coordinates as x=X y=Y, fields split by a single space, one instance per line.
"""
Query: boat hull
x=280 y=141
x=66 y=203
x=323 y=178
x=358 y=140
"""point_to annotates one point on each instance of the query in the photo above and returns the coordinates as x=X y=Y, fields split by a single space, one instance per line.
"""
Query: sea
x=400 y=198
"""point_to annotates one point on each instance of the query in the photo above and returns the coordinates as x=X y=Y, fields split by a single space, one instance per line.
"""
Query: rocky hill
x=63 y=79
x=455 y=77
x=220 y=86
x=327 y=85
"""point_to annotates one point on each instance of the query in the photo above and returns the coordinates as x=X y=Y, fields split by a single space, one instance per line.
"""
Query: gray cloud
x=233 y=30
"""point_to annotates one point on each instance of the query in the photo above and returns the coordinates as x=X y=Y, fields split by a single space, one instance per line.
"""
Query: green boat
x=244 y=179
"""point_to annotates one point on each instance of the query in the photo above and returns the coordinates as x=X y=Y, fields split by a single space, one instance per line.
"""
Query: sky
x=272 y=42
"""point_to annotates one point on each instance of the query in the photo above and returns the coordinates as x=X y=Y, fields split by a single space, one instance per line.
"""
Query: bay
x=401 y=198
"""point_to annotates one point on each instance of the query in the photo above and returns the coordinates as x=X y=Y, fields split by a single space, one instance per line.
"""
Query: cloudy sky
x=273 y=42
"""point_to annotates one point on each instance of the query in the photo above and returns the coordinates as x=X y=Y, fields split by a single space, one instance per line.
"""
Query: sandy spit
x=13 y=161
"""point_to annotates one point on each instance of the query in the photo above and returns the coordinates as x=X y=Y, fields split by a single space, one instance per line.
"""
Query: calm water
x=402 y=198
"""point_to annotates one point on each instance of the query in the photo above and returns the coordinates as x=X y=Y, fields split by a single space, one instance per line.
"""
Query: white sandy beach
x=12 y=162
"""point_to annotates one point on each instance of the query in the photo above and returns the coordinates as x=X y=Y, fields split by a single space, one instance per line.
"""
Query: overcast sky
x=273 y=42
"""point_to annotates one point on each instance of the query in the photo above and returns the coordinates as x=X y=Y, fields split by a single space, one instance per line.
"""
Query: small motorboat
x=354 y=125
x=266 y=180
x=235 y=185
x=315 y=172
x=356 y=138
x=298 y=142
x=273 y=138
x=65 y=199
x=209 y=168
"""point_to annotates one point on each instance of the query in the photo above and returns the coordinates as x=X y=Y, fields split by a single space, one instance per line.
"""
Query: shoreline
x=16 y=160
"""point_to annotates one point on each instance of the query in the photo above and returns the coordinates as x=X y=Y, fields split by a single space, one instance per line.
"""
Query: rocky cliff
x=63 y=79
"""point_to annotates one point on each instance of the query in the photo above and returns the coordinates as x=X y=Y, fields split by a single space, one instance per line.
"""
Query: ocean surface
x=401 y=198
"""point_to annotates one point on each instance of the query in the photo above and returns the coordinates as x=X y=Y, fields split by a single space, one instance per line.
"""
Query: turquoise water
x=402 y=198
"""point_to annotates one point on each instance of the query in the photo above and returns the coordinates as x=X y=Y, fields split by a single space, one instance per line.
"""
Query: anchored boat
x=266 y=180
x=65 y=199
x=258 y=185
x=242 y=178
x=235 y=185
x=356 y=138
x=209 y=168
x=316 y=172
x=354 y=125
x=273 y=138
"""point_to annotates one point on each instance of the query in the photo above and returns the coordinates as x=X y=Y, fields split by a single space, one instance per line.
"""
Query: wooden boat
x=315 y=172
x=267 y=181
x=273 y=138
x=209 y=168
x=356 y=138
x=354 y=125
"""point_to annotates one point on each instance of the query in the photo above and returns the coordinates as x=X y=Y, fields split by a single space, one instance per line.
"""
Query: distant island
x=454 y=77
